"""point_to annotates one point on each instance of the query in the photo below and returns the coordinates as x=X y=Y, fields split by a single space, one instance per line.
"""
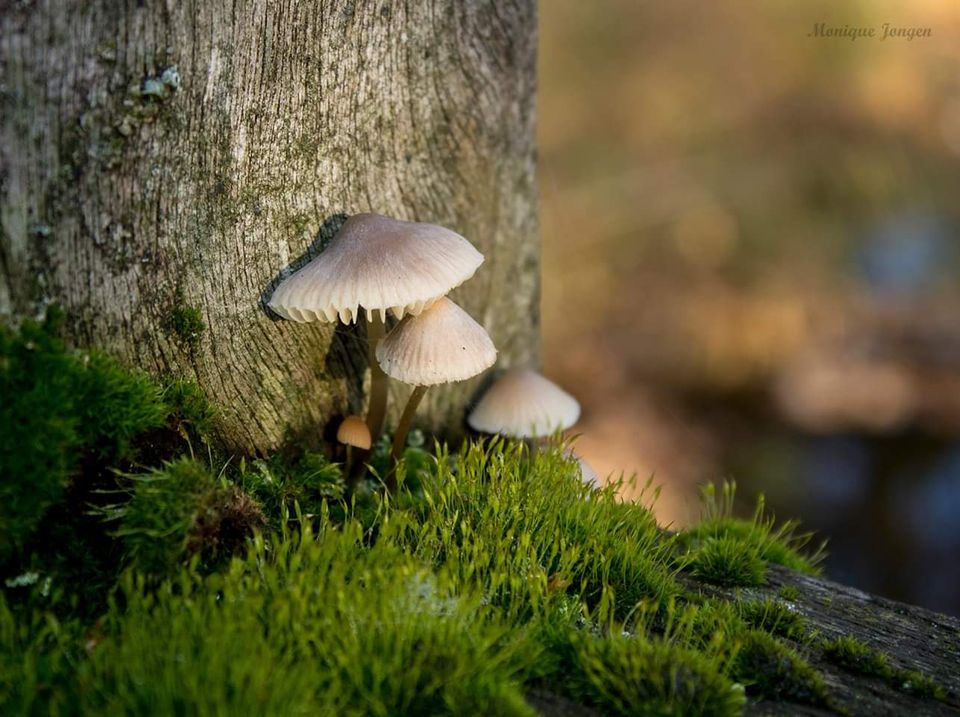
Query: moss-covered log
x=909 y=638
x=163 y=163
x=904 y=660
x=904 y=643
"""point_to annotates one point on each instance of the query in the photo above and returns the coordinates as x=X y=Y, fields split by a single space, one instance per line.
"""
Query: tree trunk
x=164 y=163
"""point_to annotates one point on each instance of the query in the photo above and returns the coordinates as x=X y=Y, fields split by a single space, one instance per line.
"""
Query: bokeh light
x=751 y=264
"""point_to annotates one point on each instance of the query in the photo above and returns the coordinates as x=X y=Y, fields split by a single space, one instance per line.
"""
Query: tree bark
x=914 y=639
x=164 y=162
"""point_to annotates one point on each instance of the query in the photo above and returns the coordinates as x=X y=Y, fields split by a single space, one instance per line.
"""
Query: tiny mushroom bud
x=524 y=404
x=441 y=345
x=377 y=264
x=353 y=431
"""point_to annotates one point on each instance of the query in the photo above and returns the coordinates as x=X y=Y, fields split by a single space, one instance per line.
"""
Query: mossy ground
x=263 y=587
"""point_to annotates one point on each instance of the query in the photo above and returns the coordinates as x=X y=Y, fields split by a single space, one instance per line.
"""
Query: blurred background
x=751 y=264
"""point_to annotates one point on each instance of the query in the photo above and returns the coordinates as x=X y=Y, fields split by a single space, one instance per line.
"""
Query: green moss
x=789 y=593
x=771 y=670
x=75 y=421
x=516 y=526
x=114 y=406
x=188 y=408
x=727 y=561
x=715 y=621
x=307 y=627
x=37 y=659
x=491 y=571
x=521 y=569
x=630 y=676
x=181 y=510
x=36 y=444
x=291 y=491
x=737 y=622
x=416 y=464
x=62 y=411
x=776 y=618
x=186 y=323
x=916 y=683
x=782 y=544
x=856 y=656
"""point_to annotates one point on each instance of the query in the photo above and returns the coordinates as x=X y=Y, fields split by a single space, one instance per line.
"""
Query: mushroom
x=524 y=404
x=377 y=264
x=353 y=433
x=441 y=345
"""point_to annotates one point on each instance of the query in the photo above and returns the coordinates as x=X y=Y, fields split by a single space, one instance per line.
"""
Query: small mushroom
x=441 y=345
x=353 y=433
x=524 y=404
x=377 y=264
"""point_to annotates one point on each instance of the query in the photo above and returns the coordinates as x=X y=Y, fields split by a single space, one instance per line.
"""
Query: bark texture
x=165 y=162
x=914 y=639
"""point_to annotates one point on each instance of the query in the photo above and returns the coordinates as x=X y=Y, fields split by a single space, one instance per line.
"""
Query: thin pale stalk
x=534 y=445
x=378 y=379
x=400 y=439
x=377 y=406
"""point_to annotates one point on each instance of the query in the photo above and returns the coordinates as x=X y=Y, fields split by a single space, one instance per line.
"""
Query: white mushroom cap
x=378 y=264
x=353 y=431
x=441 y=345
x=524 y=404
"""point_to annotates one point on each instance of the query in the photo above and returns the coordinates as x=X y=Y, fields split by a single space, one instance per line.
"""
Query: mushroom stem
x=378 y=379
x=406 y=420
x=356 y=465
x=532 y=444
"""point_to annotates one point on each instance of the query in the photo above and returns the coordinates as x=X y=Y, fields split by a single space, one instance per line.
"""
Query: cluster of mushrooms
x=377 y=266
